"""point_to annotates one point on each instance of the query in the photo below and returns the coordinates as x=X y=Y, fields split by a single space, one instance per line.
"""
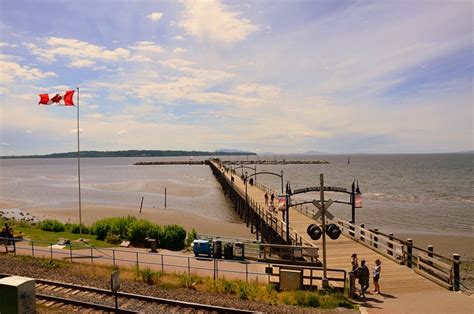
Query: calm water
x=428 y=193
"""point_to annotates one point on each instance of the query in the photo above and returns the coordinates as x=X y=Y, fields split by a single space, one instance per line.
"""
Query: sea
x=409 y=193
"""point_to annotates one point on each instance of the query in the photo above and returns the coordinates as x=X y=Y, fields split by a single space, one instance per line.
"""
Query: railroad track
x=63 y=297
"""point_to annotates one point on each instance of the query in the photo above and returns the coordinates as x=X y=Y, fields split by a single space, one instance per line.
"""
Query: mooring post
x=456 y=272
x=409 y=252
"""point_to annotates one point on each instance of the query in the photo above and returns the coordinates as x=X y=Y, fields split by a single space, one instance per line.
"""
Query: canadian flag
x=64 y=100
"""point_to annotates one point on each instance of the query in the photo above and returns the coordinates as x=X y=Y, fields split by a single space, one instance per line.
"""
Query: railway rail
x=65 y=297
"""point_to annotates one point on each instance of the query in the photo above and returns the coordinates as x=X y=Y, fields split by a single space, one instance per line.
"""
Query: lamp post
x=356 y=202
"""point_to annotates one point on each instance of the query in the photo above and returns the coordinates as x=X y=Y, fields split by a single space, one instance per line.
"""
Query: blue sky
x=265 y=76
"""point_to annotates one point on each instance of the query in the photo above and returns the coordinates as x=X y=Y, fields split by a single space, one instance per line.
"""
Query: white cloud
x=179 y=50
x=179 y=38
x=155 y=16
x=4 y=143
x=211 y=20
x=81 y=53
x=121 y=132
x=146 y=47
x=10 y=71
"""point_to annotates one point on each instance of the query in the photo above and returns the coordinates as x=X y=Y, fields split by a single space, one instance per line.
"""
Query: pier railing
x=269 y=218
x=435 y=267
x=438 y=268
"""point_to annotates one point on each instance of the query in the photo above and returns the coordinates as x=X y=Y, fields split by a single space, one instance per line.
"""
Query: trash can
x=152 y=245
x=239 y=251
x=228 y=251
x=217 y=248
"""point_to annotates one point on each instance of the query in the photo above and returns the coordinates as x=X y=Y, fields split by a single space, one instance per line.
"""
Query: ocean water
x=401 y=193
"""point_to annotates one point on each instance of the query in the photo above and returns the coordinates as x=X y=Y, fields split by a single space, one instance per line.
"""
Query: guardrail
x=271 y=219
x=249 y=270
x=435 y=267
x=338 y=277
x=439 y=269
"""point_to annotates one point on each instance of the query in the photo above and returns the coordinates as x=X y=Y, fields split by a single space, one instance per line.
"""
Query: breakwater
x=276 y=162
x=160 y=163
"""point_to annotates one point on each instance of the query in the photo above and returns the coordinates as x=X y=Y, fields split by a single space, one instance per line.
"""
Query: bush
x=191 y=237
x=51 y=225
x=75 y=228
x=117 y=226
x=141 y=229
x=173 y=237
x=113 y=239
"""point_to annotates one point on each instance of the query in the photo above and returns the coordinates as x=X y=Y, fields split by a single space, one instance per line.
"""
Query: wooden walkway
x=397 y=281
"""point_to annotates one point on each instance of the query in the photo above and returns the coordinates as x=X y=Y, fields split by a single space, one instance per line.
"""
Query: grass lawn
x=45 y=238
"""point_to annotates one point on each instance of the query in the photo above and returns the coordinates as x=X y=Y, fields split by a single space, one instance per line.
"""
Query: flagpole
x=79 y=168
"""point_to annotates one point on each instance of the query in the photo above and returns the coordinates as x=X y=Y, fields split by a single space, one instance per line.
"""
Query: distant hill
x=134 y=153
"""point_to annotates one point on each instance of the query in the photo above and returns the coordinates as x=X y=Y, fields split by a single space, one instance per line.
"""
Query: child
x=377 y=268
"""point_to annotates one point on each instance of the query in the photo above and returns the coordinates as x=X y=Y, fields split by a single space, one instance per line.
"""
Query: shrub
x=140 y=229
x=75 y=228
x=192 y=235
x=113 y=239
x=247 y=291
x=173 y=237
x=117 y=226
x=51 y=225
x=150 y=276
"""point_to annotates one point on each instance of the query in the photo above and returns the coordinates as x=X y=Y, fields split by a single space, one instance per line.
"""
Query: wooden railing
x=271 y=219
x=439 y=269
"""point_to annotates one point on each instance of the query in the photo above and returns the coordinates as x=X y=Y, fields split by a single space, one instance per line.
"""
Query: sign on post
x=320 y=212
x=115 y=285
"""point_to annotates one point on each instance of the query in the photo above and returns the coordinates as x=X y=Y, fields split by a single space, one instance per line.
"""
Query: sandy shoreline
x=443 y=244
x=92 y=213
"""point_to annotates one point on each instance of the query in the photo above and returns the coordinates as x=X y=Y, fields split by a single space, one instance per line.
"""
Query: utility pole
x=325 y=281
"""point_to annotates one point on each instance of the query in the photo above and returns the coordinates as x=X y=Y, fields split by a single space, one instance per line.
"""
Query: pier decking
x=398 y=282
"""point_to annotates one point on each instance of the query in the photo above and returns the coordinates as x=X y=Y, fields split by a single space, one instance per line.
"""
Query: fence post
x=430 y=249
x=70 y=252
x=162 y=264
x=362 y=233
x=92 y=256
x=409 y=252
x=456 y=273
x=189 y=267
x=51 y=251
x=390 y=244
x=32 y=250
x=352 y=229
x=246 y=272
x=138 y=265
x=376 y=239
x=214 y=269
x=113 y=257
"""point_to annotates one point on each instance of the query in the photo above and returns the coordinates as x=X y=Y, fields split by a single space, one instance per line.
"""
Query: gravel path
x=34 y=268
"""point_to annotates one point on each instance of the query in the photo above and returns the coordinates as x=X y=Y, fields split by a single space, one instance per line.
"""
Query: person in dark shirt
x=363 y=275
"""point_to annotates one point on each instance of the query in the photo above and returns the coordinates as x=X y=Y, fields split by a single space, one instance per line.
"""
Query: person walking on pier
x=272 y=197
x=354 y=262
x=377 y=268
x=363 y=275
x=266 y=199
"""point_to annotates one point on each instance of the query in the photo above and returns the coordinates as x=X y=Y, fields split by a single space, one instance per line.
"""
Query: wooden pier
x=406 y=269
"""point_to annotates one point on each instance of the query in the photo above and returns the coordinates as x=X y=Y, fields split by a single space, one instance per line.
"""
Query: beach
x=161 y=216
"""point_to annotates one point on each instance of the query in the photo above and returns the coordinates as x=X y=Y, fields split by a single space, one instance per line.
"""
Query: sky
x=263 y=76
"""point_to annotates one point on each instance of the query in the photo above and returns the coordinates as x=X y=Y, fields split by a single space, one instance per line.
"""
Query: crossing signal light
x=333 y=231
x=314 y=231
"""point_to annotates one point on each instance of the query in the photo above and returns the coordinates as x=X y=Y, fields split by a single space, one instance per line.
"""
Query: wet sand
x=445 y=245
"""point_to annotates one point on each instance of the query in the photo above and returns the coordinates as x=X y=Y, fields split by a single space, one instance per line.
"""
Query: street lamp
x=356 y=199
